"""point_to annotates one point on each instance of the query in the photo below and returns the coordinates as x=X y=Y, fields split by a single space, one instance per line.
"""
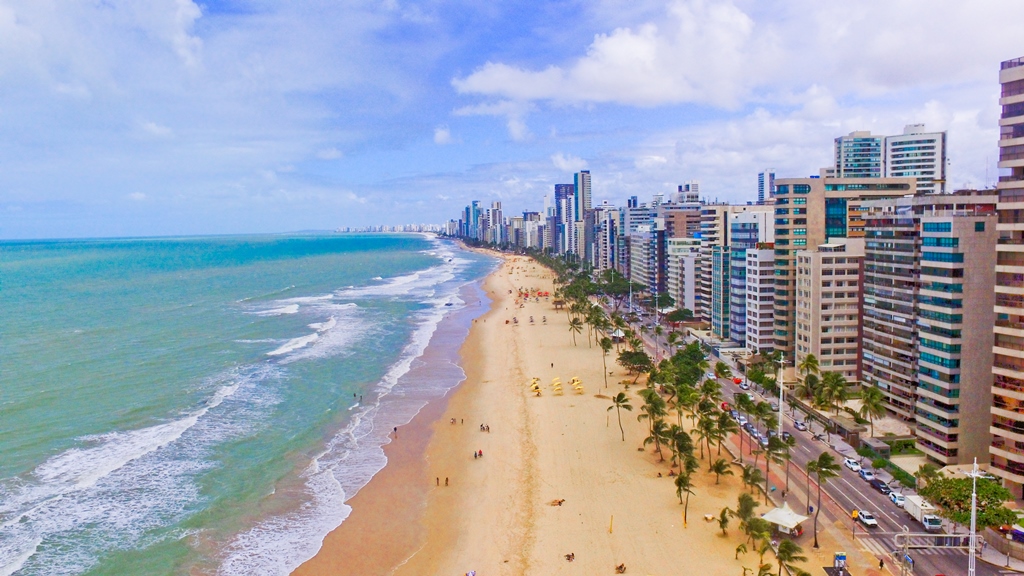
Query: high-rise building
x=859 y=155
x=812 y=212
x=760 y=293
x=828 y=280
x=565 y=214
x=918 y=154
x=765 y=186
x=581 y=180
x=1007 y=448
x=683 y=265
x=928 y=284
x=748 y=230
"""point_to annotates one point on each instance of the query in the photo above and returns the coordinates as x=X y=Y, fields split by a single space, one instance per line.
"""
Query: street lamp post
x=779 y=382
x=974 y=518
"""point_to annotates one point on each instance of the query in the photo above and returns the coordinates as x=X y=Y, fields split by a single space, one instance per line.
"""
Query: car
x=786 y=436
x=800 y=425
x=749 y=427
x=852 y=464
x=742 y=420
x=866 y=474
x=710 y=375
x=775 y=407
x=737 y=380
x=897 y=499
x=744 y=386
x=726 y=406
x=735 y=415
x=763 y=440
x=867 y=519
x=881 y=486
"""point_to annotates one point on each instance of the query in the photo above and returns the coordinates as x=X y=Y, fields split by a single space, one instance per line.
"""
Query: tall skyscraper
x=1007 y=448
x=565 y=214
x=859 y=155
x=583 y=200
x=918 y=154
x=810 y=212
x=765 y=186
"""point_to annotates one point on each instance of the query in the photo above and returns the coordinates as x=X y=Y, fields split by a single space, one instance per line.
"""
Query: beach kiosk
x=785 y=520
x=618 y=336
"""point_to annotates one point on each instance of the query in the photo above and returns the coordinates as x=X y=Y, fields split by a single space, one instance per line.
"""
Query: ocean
x=180 y=405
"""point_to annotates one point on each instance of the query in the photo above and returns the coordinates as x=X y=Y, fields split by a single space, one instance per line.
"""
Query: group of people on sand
x=485 y=427
x=478 y=454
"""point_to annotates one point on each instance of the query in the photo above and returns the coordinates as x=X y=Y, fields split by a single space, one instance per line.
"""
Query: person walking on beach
x=445 y=480
x=396 y=432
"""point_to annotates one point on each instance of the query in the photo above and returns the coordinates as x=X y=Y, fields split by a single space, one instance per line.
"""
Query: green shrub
x=879 y=463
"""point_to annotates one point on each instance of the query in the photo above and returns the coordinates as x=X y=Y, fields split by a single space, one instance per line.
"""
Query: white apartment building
x=918 y=154
x=683 y=264
x=760 y=291
x=828 y=283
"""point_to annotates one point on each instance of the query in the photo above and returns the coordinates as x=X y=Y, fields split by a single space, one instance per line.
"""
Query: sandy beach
x=495 y=515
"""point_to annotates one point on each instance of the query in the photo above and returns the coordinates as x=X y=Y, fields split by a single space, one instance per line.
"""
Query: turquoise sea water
x=209 y=403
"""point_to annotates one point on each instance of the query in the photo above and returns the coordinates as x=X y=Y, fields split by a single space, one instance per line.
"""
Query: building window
x=835 y=217
x=941 y=257
x=938 y=227
x=979 y=226
x=941 y=242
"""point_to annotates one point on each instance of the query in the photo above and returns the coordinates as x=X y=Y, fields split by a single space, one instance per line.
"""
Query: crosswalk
x=883 y=545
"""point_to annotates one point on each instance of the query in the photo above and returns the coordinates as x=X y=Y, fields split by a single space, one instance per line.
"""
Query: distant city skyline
x=175 y=117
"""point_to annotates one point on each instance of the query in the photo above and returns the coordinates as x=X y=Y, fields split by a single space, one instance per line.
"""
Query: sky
x=173 y=117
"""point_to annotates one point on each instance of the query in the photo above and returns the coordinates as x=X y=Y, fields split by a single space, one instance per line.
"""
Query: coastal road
x=851 y=492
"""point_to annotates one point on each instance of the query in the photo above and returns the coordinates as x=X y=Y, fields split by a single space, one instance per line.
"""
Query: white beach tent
x=617 y=335
x=784 y=518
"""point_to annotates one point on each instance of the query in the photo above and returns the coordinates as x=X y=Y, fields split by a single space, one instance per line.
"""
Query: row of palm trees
x=829 y=391
x=758 y=532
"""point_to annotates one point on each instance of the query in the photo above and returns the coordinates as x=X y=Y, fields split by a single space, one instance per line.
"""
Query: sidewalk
x=994 y=557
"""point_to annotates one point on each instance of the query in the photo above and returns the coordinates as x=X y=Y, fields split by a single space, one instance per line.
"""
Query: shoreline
x=383 y=527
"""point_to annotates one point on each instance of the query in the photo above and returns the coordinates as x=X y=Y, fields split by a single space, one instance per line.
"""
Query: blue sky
x=127 y=118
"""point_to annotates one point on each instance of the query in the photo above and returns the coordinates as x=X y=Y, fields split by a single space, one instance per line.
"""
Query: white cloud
x=442 y=135
x=725 y=53
x=512 y=110
x=329 y=154
x=154 y=129
x=137 y=196
x=568 y=163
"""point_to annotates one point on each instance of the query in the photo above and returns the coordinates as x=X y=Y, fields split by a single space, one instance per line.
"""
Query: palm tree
x=745 y=506
x=722 y=370
x=654 y=408
x=705 y=431
x=789 y=443
x=575 y=326
x=658 y=331
x=741 y=549
x=606 y=347
x=809 y=365
x=824 y=469
x=659 y=434
x=764 y=569
x=833 y=390
x=788 y=553
x=723 y=519
x=808 y=387
x=752 y=477
x=619 y=403
x=773 y=453
x=684 y=485
x=673 y=339
x=872 y=405
x=725 y=425
x=721 y=468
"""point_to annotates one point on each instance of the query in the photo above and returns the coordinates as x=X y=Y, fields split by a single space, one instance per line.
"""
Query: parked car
x=726 y=406
x=742 y=420
x=866 y=474
x=737 y=380
x=735 y=415
x=897 y=499
x=775 y=407
x=800 y=425
x=744 y=386
x=881 y=486
x=786 y=436
x=710 y=375
x=852 y=464
x=867 y=519
x=763 y=440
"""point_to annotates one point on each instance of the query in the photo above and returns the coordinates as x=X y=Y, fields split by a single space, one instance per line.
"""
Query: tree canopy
x=952 y=496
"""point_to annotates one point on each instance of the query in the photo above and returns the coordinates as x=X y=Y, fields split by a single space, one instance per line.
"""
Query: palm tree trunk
x=816 y=512
x=618 y=413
